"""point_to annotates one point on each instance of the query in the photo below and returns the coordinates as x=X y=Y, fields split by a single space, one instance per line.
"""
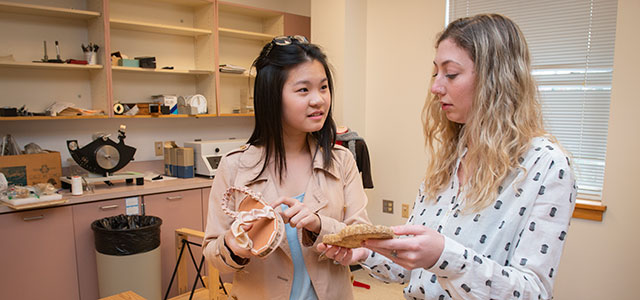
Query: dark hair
x=272 y=66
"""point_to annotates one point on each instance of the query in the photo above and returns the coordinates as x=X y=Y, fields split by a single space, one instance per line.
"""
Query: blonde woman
x=492 y=214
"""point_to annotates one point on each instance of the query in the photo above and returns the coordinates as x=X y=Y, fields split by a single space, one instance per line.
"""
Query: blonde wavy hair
x=505 y=114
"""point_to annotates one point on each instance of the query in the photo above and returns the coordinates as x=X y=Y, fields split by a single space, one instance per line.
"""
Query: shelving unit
x=178 y=34
x=242 y=31
x=192 y=36
x=24 y=27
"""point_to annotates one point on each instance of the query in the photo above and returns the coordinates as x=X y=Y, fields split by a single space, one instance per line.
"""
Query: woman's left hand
x=298 y=215
x=421 y=249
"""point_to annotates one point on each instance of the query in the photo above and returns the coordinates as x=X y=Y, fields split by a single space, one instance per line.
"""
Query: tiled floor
x=379 y=290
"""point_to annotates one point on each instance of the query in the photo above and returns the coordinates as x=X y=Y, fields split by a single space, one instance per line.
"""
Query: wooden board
x=128 y=295
x=36 y=205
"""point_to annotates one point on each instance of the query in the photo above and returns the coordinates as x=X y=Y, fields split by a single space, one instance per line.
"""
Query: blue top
x=302 y=287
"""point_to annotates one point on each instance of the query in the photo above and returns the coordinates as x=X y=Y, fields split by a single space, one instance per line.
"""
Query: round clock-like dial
x=107 y=157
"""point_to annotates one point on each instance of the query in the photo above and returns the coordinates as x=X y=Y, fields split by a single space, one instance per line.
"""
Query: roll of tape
x=76 y=185
x=118 y=108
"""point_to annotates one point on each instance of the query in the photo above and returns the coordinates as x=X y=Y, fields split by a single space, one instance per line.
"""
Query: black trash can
x=128 y=255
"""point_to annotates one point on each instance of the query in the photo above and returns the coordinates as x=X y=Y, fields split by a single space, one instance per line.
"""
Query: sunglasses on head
x=285 y=40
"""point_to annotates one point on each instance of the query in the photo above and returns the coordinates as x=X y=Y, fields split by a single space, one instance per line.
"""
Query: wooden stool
x=128 y=295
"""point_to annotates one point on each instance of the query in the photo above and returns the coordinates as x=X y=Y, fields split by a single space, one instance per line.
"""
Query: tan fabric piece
x=353 y=235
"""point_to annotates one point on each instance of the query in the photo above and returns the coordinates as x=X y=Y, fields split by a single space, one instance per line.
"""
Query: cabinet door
x=38 y=255
x=177 y=210
x=205 y=206
x=83 y=216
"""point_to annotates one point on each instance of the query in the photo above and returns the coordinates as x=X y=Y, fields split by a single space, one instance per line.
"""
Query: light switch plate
x=387 y=206
x=158 y=147
x=405 y=210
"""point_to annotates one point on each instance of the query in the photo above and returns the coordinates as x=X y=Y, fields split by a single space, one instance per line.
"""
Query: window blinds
x=571 y=43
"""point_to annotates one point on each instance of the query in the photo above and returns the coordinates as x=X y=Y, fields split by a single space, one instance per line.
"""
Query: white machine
x=207 y=154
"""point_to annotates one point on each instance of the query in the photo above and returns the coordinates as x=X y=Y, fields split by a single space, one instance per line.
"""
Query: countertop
x=122 y=190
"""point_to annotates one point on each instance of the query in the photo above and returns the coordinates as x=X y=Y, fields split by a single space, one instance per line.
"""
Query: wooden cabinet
x=50 y=253
x=83 y=216
x=38 y=255
x=177 y=210
x=205 y=206
x=192 y=36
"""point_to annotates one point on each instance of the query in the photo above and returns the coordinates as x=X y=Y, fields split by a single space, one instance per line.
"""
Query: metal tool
x=102 y=156
x=57 y=51
x=46 y=58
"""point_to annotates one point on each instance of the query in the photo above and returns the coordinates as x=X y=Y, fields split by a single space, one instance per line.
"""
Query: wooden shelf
x=187 y=2
x=48 y=11
x=34 y=65
x=52 y=118
x=241 y=34
x=157 y=28
x=234 y=75
x=162 y=71
x=233 y=8
x=237 y=115
x=589 y=210
x=164 y=116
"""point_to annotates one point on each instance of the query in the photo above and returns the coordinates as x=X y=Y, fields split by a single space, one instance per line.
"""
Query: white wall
x=298 y=7
x=400 y=53
x=339 y=27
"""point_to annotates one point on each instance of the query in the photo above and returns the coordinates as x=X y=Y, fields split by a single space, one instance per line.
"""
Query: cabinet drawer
x=38 y=255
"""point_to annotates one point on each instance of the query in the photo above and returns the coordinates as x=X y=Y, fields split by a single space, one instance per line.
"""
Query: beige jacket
x=336 y=194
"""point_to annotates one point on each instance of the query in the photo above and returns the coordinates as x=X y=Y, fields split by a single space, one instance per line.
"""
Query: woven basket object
x=267 y=231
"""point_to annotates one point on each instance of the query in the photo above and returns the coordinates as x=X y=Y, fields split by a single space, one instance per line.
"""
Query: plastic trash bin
x=128 y=255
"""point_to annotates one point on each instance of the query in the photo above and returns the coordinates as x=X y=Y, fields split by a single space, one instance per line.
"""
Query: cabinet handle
x=33 y=218
x=174 y=197
x=109 y=207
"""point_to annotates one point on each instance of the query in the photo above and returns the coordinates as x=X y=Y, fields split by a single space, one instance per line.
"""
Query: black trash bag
x=125 y=235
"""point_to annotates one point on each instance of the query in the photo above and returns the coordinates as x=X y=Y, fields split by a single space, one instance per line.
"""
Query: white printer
x=207 y=154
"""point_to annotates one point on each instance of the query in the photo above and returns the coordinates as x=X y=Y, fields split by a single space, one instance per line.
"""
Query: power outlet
x=158 y=146
x=387 y=206
x=405 y=210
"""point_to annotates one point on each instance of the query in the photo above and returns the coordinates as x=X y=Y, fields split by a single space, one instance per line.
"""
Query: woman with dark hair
x=290 y=159
x=492 y=214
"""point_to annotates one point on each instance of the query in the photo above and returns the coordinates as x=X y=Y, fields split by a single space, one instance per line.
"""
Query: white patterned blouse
x=508 y=250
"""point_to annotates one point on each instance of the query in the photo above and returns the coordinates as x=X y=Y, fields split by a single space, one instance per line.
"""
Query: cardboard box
x=184 y=162
x=29 y=169
x=184 y=156
x=178 y=162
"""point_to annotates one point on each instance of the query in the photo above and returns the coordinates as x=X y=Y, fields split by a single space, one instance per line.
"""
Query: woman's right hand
x=344 y=256
x=236 y=249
